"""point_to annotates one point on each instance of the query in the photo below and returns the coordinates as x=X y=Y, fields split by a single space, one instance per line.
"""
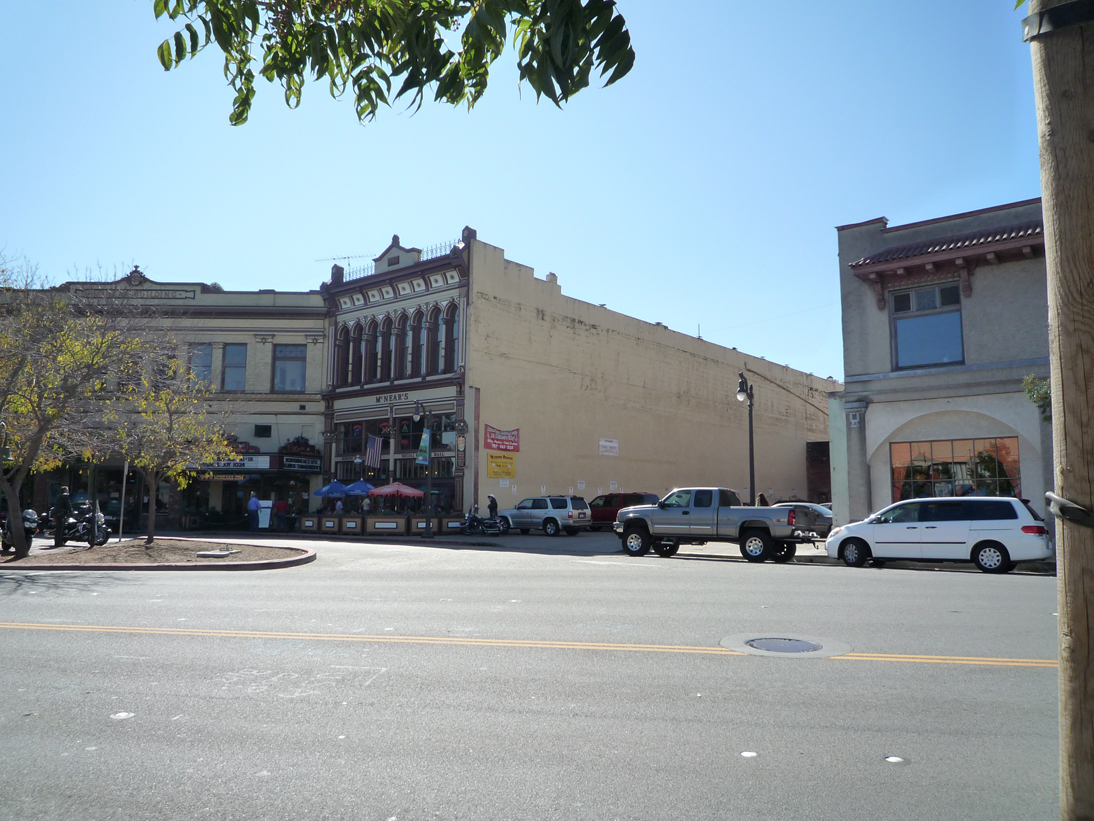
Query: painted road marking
x=515 y=643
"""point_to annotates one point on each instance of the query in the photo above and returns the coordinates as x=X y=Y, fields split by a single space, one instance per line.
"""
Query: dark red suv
x=606 y=506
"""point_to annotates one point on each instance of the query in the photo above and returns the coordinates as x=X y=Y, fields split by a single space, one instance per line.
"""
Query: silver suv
x=551 y=513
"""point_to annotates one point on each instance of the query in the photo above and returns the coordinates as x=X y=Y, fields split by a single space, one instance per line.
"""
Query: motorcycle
x=77 y=527
x=475 y=525
x=30 y=527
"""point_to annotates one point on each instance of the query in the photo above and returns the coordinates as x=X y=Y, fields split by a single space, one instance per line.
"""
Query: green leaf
x=180 y=47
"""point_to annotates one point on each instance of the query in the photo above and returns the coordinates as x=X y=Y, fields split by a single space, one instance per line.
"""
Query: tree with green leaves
x=165 y=424
x=58 y=352
x=369 y=46
x=1063 y=77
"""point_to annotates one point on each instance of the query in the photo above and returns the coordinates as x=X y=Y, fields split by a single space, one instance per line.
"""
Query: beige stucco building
x=942 y=319
x=535 y=392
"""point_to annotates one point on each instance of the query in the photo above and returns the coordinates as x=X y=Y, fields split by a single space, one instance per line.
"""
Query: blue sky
x=701 y=191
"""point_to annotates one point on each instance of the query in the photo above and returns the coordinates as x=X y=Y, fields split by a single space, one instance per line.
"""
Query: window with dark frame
x=956 y=467
x=926 y=327
x=289 y=368
x=234 y=375
x=201 y=363
x=263 y=431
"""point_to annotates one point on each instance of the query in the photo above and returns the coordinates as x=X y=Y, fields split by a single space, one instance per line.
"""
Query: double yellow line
x=473 y=642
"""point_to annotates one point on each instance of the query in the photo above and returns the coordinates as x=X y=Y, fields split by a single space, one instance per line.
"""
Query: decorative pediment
x=395 y=256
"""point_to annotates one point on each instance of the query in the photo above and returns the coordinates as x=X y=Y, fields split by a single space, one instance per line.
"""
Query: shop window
x=927 y=327
x=956 y=467
x=201 y=364
x=235 y=367
x=289 y=368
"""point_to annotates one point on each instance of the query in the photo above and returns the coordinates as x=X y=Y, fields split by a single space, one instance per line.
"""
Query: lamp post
x=427 y=432
x=744 y=392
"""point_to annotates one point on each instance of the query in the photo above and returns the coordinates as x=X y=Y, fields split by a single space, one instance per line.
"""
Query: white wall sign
x=543 y=490
x=571 y=493
x=614 y=485
x=609 y=447
x=580 y=485
x=503 y=483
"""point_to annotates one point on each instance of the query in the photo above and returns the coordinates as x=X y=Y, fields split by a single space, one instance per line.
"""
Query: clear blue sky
x=702 y=191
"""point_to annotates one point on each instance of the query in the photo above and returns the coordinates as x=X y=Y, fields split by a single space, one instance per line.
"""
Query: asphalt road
x=535 y=679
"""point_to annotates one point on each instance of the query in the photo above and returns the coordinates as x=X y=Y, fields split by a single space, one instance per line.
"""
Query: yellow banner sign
x=501 y=466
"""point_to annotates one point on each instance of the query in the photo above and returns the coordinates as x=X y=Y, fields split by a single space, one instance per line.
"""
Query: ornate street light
x=744 y=392
x=427 y=432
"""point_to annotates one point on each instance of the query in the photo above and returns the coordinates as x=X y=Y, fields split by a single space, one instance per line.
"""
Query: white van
x=992 y=533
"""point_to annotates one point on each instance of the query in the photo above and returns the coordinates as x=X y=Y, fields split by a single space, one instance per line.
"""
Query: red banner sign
x=502 y=439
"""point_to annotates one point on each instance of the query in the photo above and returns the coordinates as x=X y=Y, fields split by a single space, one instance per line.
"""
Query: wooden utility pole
x=1062 y=47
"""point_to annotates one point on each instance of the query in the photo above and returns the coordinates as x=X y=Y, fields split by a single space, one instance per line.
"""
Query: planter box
x=451 y=524
x=387 y=525
x=417 y=525
x=353 y=525
x=309 y=524
x=329 y=524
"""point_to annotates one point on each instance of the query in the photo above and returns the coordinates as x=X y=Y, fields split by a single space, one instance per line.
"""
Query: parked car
x=549 y=513
x=605 y=507
x=824 y=517
x=992 y=533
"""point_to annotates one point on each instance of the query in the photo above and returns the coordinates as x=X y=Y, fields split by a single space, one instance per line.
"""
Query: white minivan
x=992 y=533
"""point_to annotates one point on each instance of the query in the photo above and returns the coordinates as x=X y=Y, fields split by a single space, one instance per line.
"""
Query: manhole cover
x=784 y=645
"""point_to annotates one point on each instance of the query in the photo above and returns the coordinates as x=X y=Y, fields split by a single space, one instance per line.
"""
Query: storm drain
x=784 y=645
x=787 y=647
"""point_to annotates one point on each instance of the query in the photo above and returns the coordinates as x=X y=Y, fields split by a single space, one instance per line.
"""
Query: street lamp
x=427 y=432
x=744 y=391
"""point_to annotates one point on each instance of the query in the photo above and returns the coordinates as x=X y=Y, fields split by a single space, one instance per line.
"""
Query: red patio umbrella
x=396 y=489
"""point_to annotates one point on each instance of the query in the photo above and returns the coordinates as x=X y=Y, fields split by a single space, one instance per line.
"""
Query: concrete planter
x=329 y=524
x=309 y=524
x=451 y=524
x=352 y=525
x=417 y=525
x=387 y=525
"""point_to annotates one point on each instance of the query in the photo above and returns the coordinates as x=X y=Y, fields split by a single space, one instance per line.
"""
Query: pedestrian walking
x=281 y=508
x=253 y=506
x=62 y=509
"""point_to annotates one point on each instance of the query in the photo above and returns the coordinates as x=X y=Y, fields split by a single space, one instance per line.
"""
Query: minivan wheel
x=636 y=541
x=756 y=546
x=550 y=527
x=991 y=557
x=854 y=552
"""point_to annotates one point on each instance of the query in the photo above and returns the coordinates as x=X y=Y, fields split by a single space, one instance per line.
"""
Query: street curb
x=270 y=564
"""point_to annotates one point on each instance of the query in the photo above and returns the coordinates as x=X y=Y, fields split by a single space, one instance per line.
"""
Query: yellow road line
x=471 y=642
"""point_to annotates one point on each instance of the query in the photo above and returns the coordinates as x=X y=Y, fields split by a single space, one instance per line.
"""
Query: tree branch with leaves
x=367 y=46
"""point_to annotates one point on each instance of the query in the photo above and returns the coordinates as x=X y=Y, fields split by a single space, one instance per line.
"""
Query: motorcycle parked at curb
x=30 y=527
x=78 y=528
x=475 y=525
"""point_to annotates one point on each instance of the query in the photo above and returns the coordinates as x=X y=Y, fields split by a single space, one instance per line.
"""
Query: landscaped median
x=162 y=554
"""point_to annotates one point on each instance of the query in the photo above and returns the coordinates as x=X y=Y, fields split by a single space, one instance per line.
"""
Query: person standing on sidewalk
x=492 y=506
x=253 y=506
x=281 y=508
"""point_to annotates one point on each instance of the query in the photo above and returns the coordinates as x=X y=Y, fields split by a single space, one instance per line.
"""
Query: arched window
x=341 y=358
x=372 y=348
x=400 y=349
x=451 y=338
x=385 y=350
x=433 y=342
x=417 y=345
x=355 y=355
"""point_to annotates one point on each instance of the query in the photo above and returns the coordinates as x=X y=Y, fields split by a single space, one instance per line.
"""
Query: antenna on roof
x=344 y=256
x=700 y=330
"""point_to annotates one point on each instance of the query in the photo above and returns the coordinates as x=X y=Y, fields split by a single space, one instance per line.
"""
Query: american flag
x=372 y=452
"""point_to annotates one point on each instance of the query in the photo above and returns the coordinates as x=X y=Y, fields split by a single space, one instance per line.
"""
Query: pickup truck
x=714 y=514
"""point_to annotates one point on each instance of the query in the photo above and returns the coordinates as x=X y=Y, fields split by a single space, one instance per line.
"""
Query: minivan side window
x=539 y=504
x=703 y=498
x=942 y=512
x=904 y=513
x=558 y=504
x=982 y=510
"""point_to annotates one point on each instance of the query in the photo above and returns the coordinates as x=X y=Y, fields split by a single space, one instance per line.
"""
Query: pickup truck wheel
x=636 y=541
x=756 y=546
x=665 y=550
x=784 y=552
x=550 y=527
x=854 y=552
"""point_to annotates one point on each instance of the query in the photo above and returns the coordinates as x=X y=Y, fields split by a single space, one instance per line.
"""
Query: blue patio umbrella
x=335 y=490
x=359 y=488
